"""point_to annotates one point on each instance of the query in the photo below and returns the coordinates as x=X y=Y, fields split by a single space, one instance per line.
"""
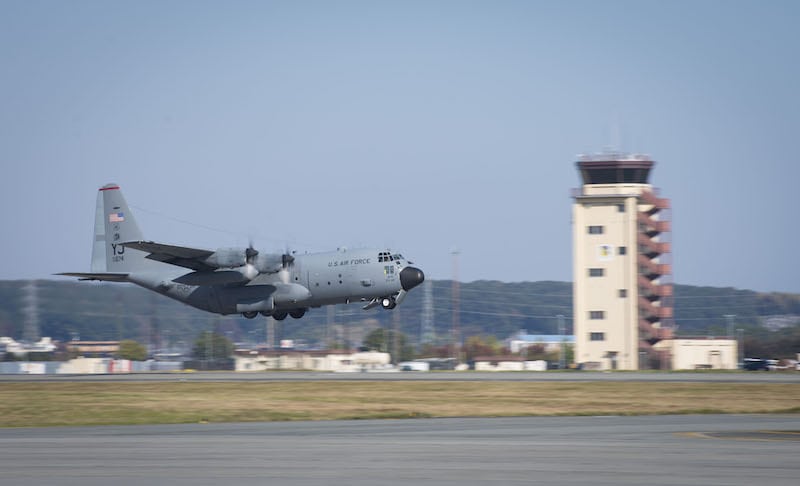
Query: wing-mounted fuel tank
x=260 y=298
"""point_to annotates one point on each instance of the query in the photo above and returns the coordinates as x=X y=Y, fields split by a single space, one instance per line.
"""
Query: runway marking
x=752 y=435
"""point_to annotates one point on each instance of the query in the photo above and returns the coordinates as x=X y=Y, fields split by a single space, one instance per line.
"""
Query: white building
x=286 y=359
x=701 y=353
x=622 y=292
x=550 y=342
x=44 y=345
x=508 y=363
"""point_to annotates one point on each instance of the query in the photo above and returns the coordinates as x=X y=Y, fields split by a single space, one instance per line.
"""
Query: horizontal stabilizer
x=106 y=277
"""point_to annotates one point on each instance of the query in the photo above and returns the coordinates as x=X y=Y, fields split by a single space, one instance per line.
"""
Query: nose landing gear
x=388 y=302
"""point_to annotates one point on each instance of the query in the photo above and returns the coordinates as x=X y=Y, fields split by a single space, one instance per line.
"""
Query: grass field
x=49 y=404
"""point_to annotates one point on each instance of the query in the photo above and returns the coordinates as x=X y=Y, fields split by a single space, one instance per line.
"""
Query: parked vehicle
x=755 y=364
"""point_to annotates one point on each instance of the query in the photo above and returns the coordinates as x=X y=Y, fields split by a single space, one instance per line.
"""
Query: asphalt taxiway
x=656 y=450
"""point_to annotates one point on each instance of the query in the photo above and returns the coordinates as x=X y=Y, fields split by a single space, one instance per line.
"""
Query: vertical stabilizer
x=115 y=224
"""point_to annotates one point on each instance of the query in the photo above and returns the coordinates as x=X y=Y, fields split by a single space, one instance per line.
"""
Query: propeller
x=250 y=253
x=286 y=261
x=249 y=270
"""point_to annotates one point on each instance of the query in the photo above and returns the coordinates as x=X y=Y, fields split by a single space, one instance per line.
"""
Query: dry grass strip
x=49 y=404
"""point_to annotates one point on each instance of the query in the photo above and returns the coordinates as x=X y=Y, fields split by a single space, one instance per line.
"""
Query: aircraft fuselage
x=241 y=280
x=315 y=279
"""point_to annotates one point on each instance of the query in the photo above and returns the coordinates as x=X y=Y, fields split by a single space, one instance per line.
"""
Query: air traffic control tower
x=622 y=292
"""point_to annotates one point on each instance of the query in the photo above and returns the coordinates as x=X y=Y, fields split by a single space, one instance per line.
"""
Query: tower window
x=597 y=336
x=622 y=250
x=623 y=293
x=595 y=230
x=596 y=272
x=620 y=208
x=597 y=315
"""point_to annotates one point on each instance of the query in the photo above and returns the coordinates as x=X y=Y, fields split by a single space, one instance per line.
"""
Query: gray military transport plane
x=242 y=280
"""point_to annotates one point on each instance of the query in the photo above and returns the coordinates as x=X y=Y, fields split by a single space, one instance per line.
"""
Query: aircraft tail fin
x=114 y=224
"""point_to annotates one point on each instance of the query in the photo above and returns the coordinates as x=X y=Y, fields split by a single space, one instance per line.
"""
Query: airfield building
x=622 y=293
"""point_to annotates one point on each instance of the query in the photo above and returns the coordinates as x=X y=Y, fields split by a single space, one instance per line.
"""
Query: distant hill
x=96 y=311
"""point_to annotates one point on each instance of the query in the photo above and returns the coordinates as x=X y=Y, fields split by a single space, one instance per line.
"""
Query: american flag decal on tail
x=116 y=217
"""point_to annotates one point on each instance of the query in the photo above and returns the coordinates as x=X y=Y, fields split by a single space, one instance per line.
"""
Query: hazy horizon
x=423 y=126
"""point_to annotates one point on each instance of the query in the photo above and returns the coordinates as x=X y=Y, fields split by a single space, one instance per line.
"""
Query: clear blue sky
x=419 y=125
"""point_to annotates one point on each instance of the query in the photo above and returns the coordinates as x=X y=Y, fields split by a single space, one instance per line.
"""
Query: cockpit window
x=386 y=256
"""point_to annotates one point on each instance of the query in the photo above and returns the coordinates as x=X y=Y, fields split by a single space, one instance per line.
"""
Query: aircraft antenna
x=616 y=136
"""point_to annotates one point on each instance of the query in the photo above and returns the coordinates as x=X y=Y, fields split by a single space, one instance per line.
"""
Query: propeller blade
x=250 y=253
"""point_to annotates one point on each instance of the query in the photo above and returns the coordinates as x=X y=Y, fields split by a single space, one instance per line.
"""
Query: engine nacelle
x=227 y=258
x=269 y=263
x=246 y=261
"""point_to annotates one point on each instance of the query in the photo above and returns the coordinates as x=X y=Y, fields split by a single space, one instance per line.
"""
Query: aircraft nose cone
x=410 y=277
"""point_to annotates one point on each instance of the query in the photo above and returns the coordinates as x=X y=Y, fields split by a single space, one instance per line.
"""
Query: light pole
x=740 y=347
x=456 y=331
x=730 y=318
x=562 y=355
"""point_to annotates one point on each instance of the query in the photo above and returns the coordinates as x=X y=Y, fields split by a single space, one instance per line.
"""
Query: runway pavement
x=656 y=450
x=578 y=376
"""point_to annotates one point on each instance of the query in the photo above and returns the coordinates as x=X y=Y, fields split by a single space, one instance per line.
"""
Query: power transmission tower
x=330 y=322
x=456 y=331
x=30 y=331
x=270 y=333
x=395 y=349
x=427 y=332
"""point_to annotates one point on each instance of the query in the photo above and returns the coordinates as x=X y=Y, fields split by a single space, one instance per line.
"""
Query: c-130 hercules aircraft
x=242 y=280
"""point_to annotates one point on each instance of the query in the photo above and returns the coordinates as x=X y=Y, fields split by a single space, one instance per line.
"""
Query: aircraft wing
x=181 y=256
x=107 y=277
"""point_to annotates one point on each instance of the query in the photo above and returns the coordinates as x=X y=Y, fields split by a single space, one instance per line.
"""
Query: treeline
x=66 y=310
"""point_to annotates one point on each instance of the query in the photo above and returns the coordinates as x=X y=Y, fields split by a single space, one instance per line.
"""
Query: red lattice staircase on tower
x=655 y=272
